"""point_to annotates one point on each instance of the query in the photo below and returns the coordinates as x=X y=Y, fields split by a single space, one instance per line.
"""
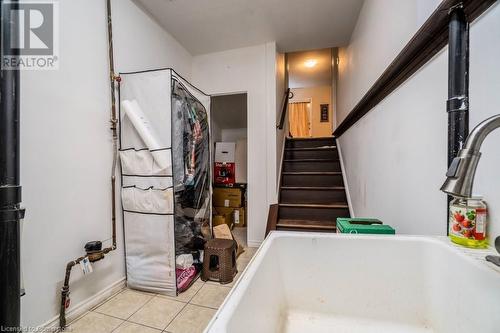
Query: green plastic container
x=363 y=226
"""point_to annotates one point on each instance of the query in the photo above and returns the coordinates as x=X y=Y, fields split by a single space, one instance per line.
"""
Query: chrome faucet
x=460 y=175
x=463 y=167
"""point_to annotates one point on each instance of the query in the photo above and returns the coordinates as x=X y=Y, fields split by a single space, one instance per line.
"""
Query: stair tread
x=306 y=224
x=305 y=173
x=312 y=148
x=313 y=188
x=307 y=205
x=312 y=160
x=311 y=139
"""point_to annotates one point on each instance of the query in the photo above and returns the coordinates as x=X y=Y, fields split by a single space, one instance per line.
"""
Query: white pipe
x=145 y=130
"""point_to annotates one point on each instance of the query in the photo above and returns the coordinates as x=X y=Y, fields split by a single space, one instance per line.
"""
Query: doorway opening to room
x=300 y=115
x=229 y=137
x=311 y=83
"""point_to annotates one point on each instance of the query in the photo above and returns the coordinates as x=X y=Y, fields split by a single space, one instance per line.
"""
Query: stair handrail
x=284 y=109
x=430 y=39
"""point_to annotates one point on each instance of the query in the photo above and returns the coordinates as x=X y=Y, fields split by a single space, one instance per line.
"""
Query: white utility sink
x=310 y=282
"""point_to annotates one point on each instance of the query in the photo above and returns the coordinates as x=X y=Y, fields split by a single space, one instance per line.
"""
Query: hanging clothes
x=191 y=168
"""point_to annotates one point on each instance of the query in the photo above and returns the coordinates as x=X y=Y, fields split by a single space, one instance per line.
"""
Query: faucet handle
x=495 y=259
x=452 y=170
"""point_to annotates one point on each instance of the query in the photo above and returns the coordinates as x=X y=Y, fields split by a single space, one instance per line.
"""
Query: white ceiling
x=204 y=26
x=301 y=76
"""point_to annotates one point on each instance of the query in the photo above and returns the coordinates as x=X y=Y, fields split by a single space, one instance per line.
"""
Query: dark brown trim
x=425 y=44
x=284 y=109
x=272 y=218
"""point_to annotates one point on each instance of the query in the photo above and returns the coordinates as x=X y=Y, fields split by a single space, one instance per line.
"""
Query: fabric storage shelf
x=142 y=162
x=165 y=166
x=148 y=201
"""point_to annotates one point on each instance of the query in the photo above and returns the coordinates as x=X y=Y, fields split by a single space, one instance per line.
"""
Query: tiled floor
x=132 y=311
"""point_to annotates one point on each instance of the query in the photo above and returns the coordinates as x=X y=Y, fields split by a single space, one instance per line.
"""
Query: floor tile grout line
x=204 y=306
x=127 y=320
x=155 y=328
x=140 y=308
x=119 y=317
x=123 y=322
x=161 y=329
x=177 y=315
x=168 y=298
x=196 y=293
x=154 y=296
x=108 y=299
x=104 y=314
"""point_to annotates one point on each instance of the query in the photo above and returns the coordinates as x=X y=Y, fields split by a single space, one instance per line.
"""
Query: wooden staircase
x=312 y=193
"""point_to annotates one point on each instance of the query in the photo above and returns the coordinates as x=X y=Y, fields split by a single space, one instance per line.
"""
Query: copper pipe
x=99 y=255
x=112 y=78
x=93 y=257
x=65 y=292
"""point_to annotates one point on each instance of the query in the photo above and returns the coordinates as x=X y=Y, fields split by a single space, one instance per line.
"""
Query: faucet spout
x=460 y=175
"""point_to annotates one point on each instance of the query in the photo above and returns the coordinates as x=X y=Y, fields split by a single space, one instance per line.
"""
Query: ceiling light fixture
x=311 y=63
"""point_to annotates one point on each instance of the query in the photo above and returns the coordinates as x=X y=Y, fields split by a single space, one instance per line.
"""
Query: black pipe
x=10 y=191
x=458 y=82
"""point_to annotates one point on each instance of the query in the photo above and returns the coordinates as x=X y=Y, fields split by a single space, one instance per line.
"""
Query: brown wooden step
x=312 y=179
x=314 y=212
x=311 y=164
x=309 y=142
x=305 y=225
x=320 y=195
x=329 y=152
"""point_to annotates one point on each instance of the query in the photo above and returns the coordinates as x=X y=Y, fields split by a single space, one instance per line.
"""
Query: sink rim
x=476 y=257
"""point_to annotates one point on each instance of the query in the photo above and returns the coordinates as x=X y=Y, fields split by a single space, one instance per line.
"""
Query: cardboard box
x=228 y=197
x=218 y=220
x=224 y=152
x=222 y=231
x=233 y=216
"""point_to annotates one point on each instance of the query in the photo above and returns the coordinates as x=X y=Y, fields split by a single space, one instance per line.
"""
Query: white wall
x=378 y=37
x=251 y=70
x=216 y=132
x=238 y=136
x=66 y=149
x=395 y=156
x=234 y=134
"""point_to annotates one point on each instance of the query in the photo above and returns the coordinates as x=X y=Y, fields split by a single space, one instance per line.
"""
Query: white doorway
x=229 y=129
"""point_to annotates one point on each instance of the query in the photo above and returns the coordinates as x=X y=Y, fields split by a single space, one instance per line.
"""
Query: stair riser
x=310 y=143
x=306 y=154
x=312 y=166
x=312 y=180
x=301 y=229
x=314 y=214
x=313 y=196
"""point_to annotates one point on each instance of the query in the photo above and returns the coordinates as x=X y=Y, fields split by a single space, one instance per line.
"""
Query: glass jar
x=467 y=222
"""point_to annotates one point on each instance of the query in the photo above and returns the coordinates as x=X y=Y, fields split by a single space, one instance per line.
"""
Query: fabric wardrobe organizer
x=165 y=174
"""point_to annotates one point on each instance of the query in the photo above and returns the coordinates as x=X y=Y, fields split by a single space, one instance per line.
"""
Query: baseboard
x=344 y=177
x=85 y=305
x=252 y=243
